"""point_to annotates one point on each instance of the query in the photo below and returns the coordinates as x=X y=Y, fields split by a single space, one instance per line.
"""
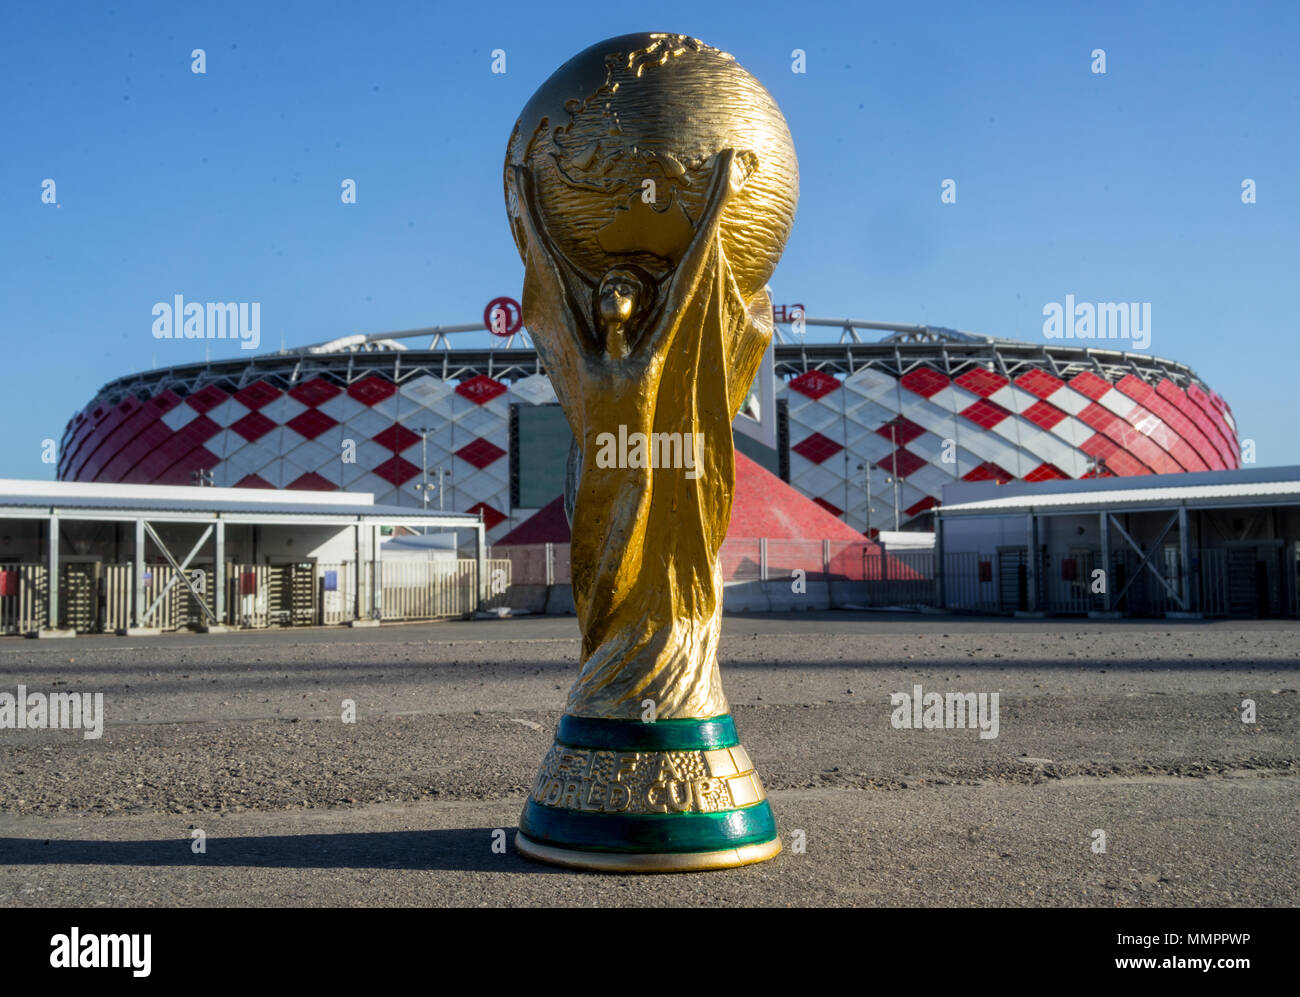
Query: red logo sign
x=503 y=316
x=787 y=313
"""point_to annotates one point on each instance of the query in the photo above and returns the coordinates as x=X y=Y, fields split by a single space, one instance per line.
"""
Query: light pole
x=893 y=480
x=893 y=476
x=442 y=485
x=867 y=467
x=425 y=485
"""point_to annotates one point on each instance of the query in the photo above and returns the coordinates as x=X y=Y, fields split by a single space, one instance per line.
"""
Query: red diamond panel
x=1042 y=414
x=816 y=448
x=1118 y=461
x=1046 y=472
x=312 y=482
x=120 y=448
x=480 y=453
x=1039 y=382
x=162 y=403
x=256 y=395
x=1164 y=403
x=985 y=413
x=1090 y=385
x=925 y=381
x=1202 y=411
x=397 y=470
x=1101 y=419
x=121 y=467
x=311 y=423
x=253 y=426
x=253 y=481
x=197 y=431
x=815 y=384
x=830 y=507
x=200 y=458
x=900 y=430
x=396 y=438
x=988 y=471
x=982 y=382
x=207 y=399
x=901 y=462
x=928 y=502
x=171 y=450
x=490 y=516
x=314 y=392
x=372 y=390
x=480 y=390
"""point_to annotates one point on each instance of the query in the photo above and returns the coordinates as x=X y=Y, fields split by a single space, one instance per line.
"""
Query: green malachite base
x=632 y=735
x=575 y=858
x=569 y=818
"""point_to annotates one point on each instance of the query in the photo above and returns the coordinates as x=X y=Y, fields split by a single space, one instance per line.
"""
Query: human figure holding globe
x=651 y=316
x=649 y=611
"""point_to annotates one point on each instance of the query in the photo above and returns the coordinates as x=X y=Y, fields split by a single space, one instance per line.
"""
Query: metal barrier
x=98 y=596
x=500 y=578
x=337 y=591
x=1067 y=583
x=1210 y=581
x=117 y=596
x=426 y=590
x=969 y=582
x=22 y=597
x=248 y=591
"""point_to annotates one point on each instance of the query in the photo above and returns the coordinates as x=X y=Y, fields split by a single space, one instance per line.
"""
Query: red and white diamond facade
x=1004 y=420
x=927 y=411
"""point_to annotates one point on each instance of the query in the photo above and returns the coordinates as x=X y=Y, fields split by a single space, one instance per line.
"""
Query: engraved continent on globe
x=655 y=107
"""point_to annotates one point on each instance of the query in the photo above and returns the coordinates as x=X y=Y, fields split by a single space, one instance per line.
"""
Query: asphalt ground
x=1132 y=729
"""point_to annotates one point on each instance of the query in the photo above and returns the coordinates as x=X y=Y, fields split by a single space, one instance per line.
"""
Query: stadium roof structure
x=906 y=347
x=1242 y=488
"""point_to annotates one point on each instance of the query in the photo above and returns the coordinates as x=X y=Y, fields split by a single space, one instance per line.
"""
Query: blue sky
x=225 y=186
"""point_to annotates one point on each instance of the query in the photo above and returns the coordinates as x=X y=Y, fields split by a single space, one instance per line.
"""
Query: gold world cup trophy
x=651 y=185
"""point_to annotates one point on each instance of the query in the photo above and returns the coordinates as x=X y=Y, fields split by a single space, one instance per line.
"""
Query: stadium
x=870 y=430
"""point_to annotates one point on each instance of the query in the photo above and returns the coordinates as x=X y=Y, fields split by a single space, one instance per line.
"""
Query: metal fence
x=22 y=597
x=904 y=577
x=98 y=596
x=1221 y=581
x=422 y=590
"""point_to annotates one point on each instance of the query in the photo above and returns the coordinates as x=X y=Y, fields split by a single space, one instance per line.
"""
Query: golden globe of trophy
x=651 y=184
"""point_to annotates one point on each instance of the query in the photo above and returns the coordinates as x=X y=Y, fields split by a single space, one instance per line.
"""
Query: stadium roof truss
x=906 y=348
